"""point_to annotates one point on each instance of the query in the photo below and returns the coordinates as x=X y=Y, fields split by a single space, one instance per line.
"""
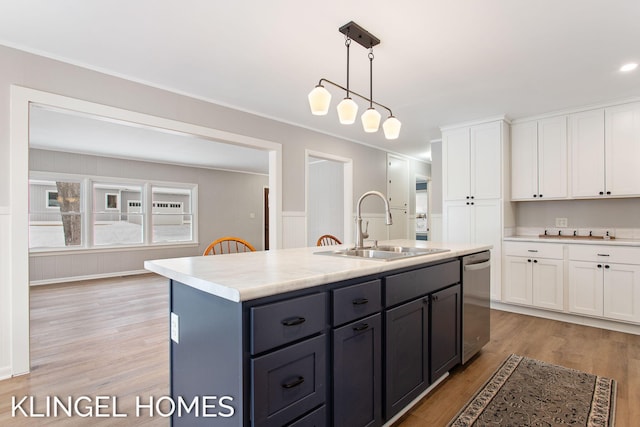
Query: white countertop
x=569 y=240
x=251 y=275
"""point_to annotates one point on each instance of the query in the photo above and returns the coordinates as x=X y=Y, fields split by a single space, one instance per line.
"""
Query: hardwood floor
x=110 y=338
x=611 y=354
x=96 y=338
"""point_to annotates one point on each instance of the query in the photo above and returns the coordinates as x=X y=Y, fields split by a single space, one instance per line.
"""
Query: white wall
x=325 y=209
x=32 y=71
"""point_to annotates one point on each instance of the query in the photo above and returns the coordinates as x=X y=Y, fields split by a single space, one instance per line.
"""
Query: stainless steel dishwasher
x=476 y=289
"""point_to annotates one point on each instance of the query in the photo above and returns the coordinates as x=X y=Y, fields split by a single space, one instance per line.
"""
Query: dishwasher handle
x=477 y=266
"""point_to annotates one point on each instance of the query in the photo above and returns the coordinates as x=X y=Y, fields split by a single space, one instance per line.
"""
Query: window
x=171 y=214
x=55 y=213
x=111 y=212
x=52 y=199
x=111 y=227
x=111 y=201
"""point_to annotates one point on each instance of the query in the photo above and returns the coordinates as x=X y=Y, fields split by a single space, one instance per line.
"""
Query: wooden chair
x=328 y=240
x=228 y=245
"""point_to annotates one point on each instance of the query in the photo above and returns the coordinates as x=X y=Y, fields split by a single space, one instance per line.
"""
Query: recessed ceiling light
x=629 y=67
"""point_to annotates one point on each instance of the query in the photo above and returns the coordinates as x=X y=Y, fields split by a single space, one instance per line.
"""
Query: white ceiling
x=439 y=62
x=55 y=129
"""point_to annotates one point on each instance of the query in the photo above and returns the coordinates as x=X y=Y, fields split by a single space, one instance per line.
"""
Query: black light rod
x=357 y=94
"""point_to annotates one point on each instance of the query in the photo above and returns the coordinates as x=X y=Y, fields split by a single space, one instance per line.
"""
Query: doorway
x=422 y=208
x=329 y=198
x=17 y=245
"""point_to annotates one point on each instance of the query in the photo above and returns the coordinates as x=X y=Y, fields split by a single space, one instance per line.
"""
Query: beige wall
x=226 y=201
x=43 y=74
x=48 y=75
x=609 y=213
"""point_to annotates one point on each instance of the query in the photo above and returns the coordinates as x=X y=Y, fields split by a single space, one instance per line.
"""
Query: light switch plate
x=175 y=328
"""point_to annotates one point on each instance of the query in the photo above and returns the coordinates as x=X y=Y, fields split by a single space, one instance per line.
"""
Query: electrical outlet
x=175 y=328
x=561 y=222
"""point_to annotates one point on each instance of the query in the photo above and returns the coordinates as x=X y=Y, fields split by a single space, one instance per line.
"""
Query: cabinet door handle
x=603 y=254
x=608 y=192
x=539 y=195
x=359 y=301
x=601 y=193
x=535 y=195
x=528 y=260
x=293 y=383
x=532 y=250
x=293 y=321
x=425 y=300
x=599 y=265
x=535 y=260
x=361 y=327
x=606 y=266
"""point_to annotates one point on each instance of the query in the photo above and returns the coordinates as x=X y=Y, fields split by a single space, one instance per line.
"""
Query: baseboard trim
x=5 y=372
x=415 y=401
x=86 y=277
x=611 y=325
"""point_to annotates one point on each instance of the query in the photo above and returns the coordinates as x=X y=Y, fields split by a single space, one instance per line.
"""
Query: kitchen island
x=289 y=337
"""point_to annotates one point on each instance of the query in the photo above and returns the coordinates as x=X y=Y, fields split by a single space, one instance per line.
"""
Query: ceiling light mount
x=359 y=35
x=320 y=98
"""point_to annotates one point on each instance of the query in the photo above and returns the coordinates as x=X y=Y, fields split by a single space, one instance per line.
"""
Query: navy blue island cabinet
x=352 y=353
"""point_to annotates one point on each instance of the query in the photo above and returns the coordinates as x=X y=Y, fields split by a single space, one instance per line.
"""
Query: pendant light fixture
x=320 y=97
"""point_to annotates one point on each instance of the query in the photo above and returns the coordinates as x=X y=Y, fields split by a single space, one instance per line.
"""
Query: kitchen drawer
x=288 y=382
x=412 y=284
x=317 y=418
x=356 y=301
x=532 y=249
x=604 y=253
x=282 y=322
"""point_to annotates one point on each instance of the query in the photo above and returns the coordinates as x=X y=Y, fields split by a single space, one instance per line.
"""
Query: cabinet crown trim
x=581 y=109
x=503 y=118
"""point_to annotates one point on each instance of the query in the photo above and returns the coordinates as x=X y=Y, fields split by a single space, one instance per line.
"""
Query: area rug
x=528 y=392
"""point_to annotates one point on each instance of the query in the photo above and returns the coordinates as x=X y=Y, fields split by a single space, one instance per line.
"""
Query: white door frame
x=347 y=192
x=17 y=246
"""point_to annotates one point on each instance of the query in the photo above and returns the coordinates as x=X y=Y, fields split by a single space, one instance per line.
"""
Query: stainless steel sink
x=383 y=253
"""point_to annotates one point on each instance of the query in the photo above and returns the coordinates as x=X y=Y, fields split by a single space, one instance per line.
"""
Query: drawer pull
x=603 y=254
x=360 y=301
x=532 y=250
x=293 y=321
x=293 y=383
x=361 y=327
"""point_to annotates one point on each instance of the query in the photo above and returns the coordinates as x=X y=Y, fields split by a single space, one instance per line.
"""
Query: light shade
x=391 y=128
x=347 y=111
x=370 y=120
x=319 y=100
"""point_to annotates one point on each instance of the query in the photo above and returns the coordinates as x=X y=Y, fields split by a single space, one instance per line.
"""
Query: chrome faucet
x=361 y=235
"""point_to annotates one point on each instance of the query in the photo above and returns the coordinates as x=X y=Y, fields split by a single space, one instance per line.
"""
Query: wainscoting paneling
x=293 y=230
x=5 y=295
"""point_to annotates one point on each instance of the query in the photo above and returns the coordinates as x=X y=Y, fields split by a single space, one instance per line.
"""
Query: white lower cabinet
x=604 y=281
x=605 y=289
x=534 y=275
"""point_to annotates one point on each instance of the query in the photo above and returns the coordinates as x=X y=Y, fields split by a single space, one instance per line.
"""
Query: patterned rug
x=528 y=392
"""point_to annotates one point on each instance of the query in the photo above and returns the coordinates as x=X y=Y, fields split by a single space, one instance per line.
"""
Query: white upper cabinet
x=586 y=136
x=539 y=159
x=472 y=157
x=622 y=150
x=486 y=161
x=605 y=152
x=456 y=156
